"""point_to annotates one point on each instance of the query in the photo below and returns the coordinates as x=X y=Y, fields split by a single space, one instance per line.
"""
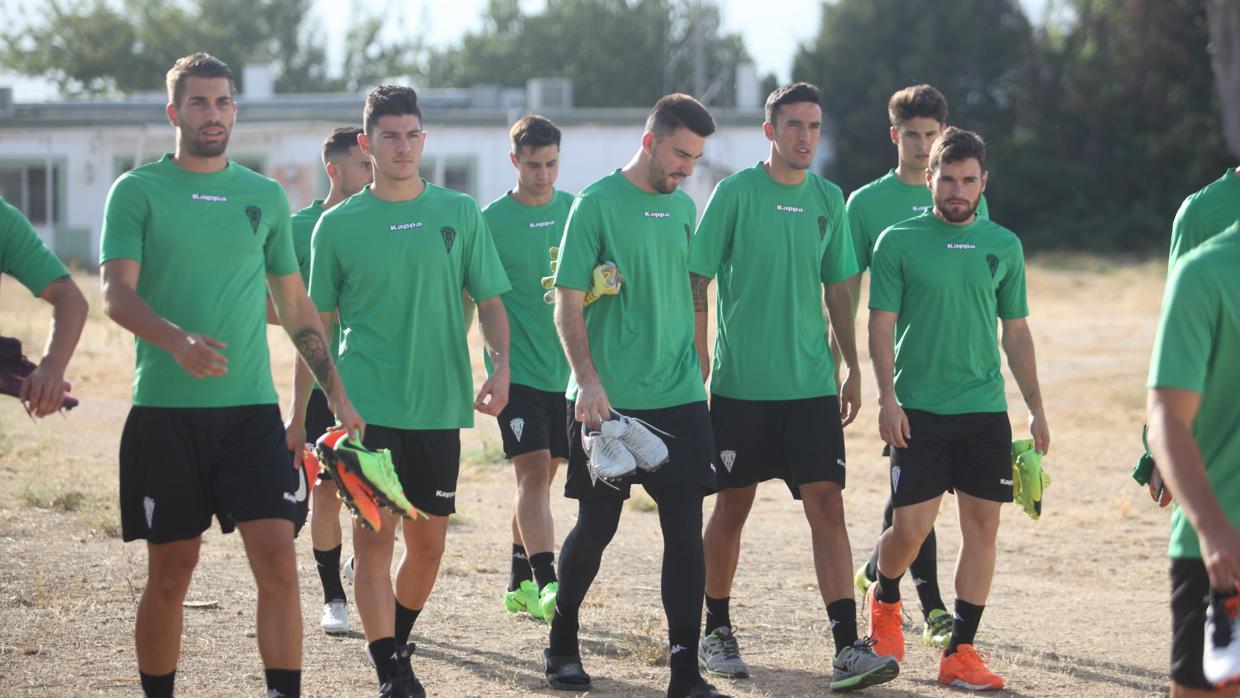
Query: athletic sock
x=520 y=568
x=564 y=634
x=543 y=565
x=888 y=589
x=383 y=652
x=964 y=624
x=328 y=564
x=283 y=683
x=925 y=571
x=405 y=618
x=158 y=686
x=717 y=614
x=683 y=661
x=843 y=615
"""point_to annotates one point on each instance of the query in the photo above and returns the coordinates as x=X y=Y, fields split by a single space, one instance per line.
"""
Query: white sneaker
x=648 y=450
x=348 y=570
x=1221 y=659
x=335 y=617
x=608 y=457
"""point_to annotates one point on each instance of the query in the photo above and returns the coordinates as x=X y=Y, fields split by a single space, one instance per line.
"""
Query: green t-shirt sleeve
x=1011 y=298
x=1185 y=335
x=278 y=249
x=1185 y=234
x=886 y=275
x=581 y=245
x=124 y=222
x=983 y=210
x=23 y=255
x=840 y=260
x=484 y=271
x=862 y=244
x=712 y=241
x=301 y=248
x=325 y=275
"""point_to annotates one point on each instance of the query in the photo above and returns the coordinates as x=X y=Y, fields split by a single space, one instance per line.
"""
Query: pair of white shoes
x=335 y=620
x=620 y=446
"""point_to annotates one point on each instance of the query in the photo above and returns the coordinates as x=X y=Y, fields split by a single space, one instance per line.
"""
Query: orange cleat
x=351 y=487
x=885 y=626
x=967 y=669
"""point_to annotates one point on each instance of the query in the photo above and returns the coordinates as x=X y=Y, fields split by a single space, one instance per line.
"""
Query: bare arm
x=842 y=308
x=44 y=390
x=854 y=287
x=468 y=304
x=592 y=406
x=1018 y=345
x=493 y=322
x=272 y=317
x=892 y=422
x=701 y=316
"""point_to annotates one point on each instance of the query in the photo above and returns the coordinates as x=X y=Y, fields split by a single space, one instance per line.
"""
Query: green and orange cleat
x=366 y=479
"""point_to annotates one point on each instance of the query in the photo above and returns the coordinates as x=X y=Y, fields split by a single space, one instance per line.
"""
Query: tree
x=1224 y=21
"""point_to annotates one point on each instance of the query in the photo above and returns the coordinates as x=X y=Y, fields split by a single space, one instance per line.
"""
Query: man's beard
x=199 y=149
x=951 y=216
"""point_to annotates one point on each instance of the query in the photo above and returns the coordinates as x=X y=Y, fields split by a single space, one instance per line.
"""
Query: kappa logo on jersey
x=542 y=224
x=961 y=246
x=405 y=226
x=789 y=209
x=822 y=227
x=255 y=216
x=993 y=262
x=149 y=505
x=728 y=457
x=518 y=426
x=895 y=479
x=449 y=237
x=209 y=197
x=657 y=214
x=922 y=209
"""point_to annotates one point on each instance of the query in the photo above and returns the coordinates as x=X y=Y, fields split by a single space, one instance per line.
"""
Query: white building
x=58 y=159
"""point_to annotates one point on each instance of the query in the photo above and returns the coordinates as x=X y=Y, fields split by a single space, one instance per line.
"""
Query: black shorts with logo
x=797 y=441
x=179 y=466
x=691 y=453
x=427 y=461
x=971 y=453
x=533 y=420
x=319 y=419
x=1190 y=597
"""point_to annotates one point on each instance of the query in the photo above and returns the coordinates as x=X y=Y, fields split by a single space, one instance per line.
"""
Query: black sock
x=964 y=624
x=843 y=615
x=405 y=618
x=925 y=571
x=564 y=634
x=717 y=614
x=888 y=589
x=158 y=686
x=520 y=570
x=328 y=564
x=543 y=565
x=580 y=557
x=682 y=643
x=284 y=683
x=383 y=652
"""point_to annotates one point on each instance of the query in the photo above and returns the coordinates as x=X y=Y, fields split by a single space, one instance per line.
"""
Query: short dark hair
x=533 y=131
x=957 y=144
x=196 y=65
x=791 y=94
x=389 y=100
x=677 y=111
x=340 y=142
x=917 y=101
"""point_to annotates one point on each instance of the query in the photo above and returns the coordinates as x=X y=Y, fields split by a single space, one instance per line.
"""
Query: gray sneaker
x=719 y=654
x=856 y=666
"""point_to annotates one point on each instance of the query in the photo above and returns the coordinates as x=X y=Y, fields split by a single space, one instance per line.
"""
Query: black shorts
x=182 y=465
x=970 y=452
x=1190 y=596
x=533 y=420
x=319 y=419
x=427 y=461
x=691 y=453
x=797 y=441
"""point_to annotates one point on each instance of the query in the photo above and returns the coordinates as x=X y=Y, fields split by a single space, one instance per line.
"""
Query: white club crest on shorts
x=149 y=505
x=895 y=478
x=518 y=426
x=728 y=457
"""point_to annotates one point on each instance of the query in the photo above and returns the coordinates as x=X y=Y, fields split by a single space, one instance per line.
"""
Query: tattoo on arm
x=313 y=349
x=1030 y=398
x=699 y=284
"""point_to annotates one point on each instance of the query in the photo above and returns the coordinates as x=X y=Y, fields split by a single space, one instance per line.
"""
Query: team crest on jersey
x=255 y=215
x=993 y=262
x=895 y=479
x=518 y=426
x=728 y=458
x=822 y=227
x=449 y=236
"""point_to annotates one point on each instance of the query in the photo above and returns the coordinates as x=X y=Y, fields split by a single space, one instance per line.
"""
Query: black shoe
x=403 y=686
x=565 y=673
x=704 y=690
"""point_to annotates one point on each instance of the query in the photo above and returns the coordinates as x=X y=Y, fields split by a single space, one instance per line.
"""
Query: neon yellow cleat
x=1029 y=480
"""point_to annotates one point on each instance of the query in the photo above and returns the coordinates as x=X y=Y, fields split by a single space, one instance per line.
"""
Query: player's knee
x=325 y=499
x=824 y=505
x=732 y=506
x=533 y=482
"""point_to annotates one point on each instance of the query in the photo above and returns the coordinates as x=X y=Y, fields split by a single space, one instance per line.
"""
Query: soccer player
x=1194 y=434
x=187 y=244
x=918 y=115
x=348 y=170
x=777 y=236
x=24 y=257
x=941 y=283
x=525 y=222
x=392 y=260
x=635 y=352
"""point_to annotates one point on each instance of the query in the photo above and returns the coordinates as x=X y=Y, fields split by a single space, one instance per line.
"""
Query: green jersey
x=881 y=204
x=23 y=254
x=1205 y=214
x=395 y=270
x=947 y=284
x=1196 y=348
x=303 y=227
x=206 y=242
x=641 y=341
x=772 y=246
x=522 y=237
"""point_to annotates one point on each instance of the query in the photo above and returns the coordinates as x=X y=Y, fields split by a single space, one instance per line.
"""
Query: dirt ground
x=1078 y=607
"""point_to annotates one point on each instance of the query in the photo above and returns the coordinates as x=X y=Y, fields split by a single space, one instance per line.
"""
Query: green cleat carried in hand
x=380 y=472
x=1029 y=480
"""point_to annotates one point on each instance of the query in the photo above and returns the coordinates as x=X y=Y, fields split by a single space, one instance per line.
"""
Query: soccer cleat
x=335 y=617
x=965 y=668
x=1221 y=659
x=606 y=455
x=343 y=455
x=1028 y=478
x=523 y=599
x=719 y=654
x=885 y=628
x=348 y=570
x=857 y=666
x=938 y=630
x=15 y=368
x=862 y=580
x=354 y=490
x=648 y=450
x=546 y=602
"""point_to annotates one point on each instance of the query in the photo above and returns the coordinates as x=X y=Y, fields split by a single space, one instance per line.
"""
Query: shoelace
x=729 y=648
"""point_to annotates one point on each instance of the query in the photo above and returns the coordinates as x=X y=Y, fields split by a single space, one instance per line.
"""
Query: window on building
x=33 y=190
x=451 y=172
